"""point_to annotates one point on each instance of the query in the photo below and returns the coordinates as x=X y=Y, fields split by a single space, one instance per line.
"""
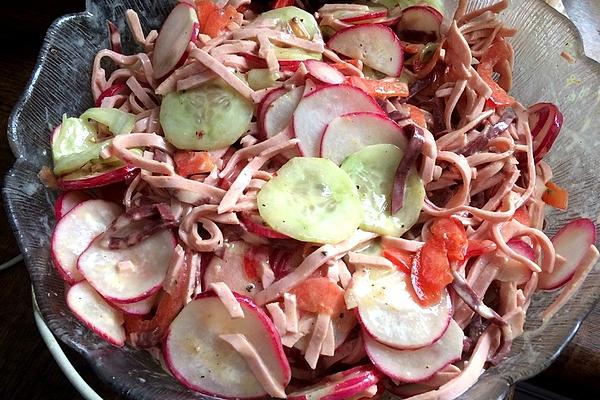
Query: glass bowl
x=60 y=84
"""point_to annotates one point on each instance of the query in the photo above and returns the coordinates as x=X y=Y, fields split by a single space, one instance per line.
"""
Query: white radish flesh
x=278 y=114
x=76 y=230
x=96 y=313
x=322 y=106
x=206 y=363
x=128 y=275
x=419 y=364
x=141 y=307
x=374 y=44
x=349 y=133
x=389 y=312
x=324 y=72
x=264 y=105
x=571 y=243
x=177 y=31
x=67 y=201
x=342 y=385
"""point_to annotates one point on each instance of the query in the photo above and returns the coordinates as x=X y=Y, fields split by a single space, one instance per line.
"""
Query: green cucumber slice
x=282 y=17
x=311 y=200
x=74 y=145
x=372 y=170
x=294 y=54
x=209 y=117
x=262 y=78
x=118 y=122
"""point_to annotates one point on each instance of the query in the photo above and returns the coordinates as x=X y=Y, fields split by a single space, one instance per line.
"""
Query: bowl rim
x=21 y=157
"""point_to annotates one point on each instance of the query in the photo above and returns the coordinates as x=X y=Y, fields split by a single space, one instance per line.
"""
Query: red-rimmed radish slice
x=254 y=224
x=571 y=242
x=75 y=231
x=264 y=105
x=231 y=269
x=419 y=364
x=420 y=24
x=391 y=314
x=202 y=361
x=141 y=307
x=180 y=27
x=110 y=91
x=374 y=44
x=545 y=120
x=67 y=201
x=342 y=385
x=320 y=107
x=83 y=180
x=366 y=17
x=516 y=272
x=128 y=275
x=278 y=114
x=96 y=313
x=350 y=133
x=324 y=72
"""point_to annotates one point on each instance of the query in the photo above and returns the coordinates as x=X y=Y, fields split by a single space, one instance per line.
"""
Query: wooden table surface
x=28 y=371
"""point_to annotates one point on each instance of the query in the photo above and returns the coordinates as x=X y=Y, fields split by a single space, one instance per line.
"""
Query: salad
x=312 y=201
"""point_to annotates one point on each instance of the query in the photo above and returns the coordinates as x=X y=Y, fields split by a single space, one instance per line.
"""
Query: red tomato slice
x=400 y=258
x=283 y=3
x=193 y=162
x=499 y=50
x=378 y=88
x=522 y=216
x=320 y=295
x=430 y=272
x=252 y=257
x=556 y=196
x=453 y=234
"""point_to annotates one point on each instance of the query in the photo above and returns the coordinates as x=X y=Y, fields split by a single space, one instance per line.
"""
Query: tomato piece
x=556 y=196
x=283 y=3
x=150 y=332
x=400 y=258
x=213 y=20
x=252 y=258
x=319 y=295
x=379 y=89
x=498 y=51
x=204 y=9
x=430 y=272
x=193 y=162
x=477 y=248
x=522 y=216
x=417 y=115
x=344 y=69
x=453 y=234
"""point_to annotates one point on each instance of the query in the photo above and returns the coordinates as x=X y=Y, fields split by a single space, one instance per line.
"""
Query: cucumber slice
x=118 y=122
x=293 y=54
x=437 y=4
x=262 y=78
x=282 y=17
x=209 y=117
x=311 y=200
x=372 y=170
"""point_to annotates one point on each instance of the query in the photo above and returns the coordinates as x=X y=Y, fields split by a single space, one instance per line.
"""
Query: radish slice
x=324 y=72
x=374 y=44
x=420 y=364
x=366 y=17
x=254 y=224
x=180 y=27
x=96 y=313
x=340 y=386
x=202 y=361
x=76 y=230
x=142 y=307
x=322 y=106
x=278 y=114
x=420 y=24
x=264 y=106
x=545 y=120
x=231 y=270
x=119 y=281
x=516 y=272
x=572 y=243
x=67 y=201
x=390 y=313
x=350 y=133
x=79 y=180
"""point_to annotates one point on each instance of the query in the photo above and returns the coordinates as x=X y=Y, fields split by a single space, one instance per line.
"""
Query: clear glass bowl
x=60 y=84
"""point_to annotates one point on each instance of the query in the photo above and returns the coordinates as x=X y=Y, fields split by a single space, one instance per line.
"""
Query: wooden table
x=27 y=370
